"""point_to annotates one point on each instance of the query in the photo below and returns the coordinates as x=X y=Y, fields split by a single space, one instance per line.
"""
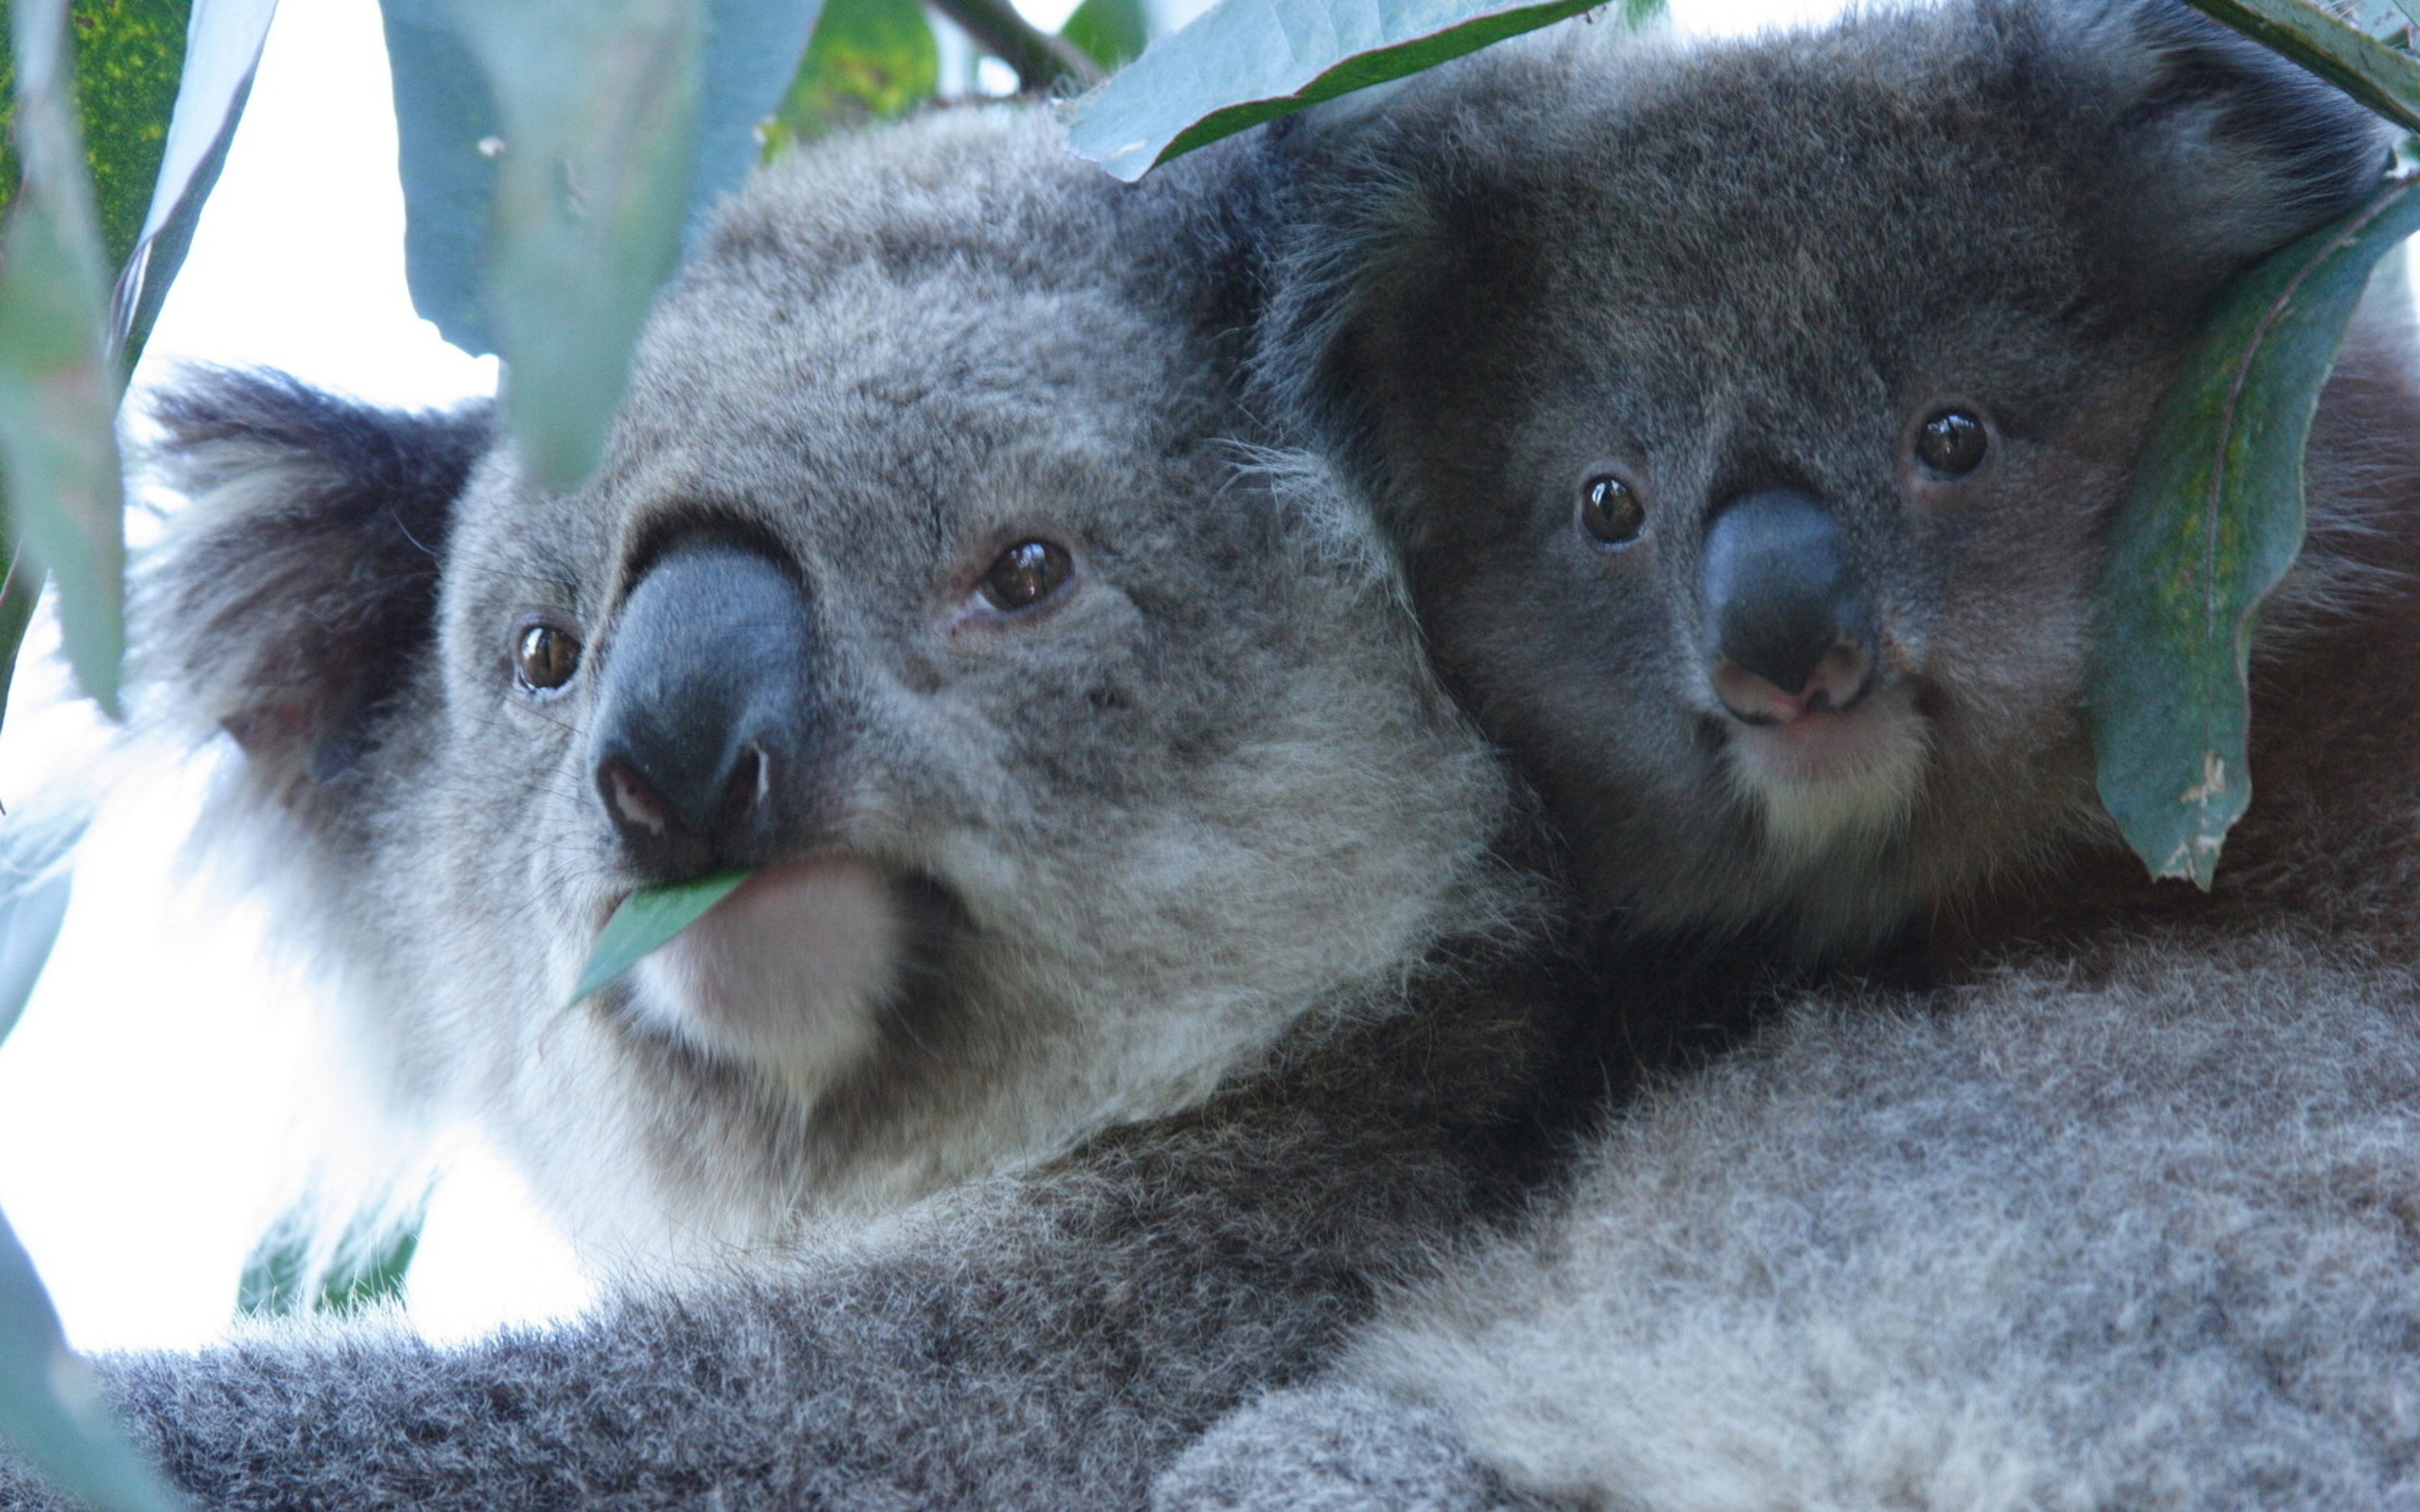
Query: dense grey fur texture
x=2137 y=1234
x=1206 y=993
x=2118 y=1214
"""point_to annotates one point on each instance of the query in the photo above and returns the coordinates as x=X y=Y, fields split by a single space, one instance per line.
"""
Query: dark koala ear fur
x=297 y=588
x=1373 y=282
x=2198 y=151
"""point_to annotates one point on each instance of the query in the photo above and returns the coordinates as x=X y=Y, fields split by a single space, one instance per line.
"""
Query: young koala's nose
x=705 y=710
x=1785 y=617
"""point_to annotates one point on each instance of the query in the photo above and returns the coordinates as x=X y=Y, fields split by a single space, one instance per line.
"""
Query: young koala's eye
x=1610 y=511
x=1951 y=443
x=1025 y=574
x=544 y=658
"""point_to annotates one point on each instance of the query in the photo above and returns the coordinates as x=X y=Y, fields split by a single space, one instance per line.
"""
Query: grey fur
x=2116 y=1214
x=1221 y=1001
x=2134 y=1234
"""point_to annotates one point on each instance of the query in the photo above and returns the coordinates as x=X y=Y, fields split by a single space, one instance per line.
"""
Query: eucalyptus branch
x=1042 y=60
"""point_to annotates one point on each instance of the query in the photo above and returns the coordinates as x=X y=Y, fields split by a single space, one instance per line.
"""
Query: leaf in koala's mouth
x=647 y=919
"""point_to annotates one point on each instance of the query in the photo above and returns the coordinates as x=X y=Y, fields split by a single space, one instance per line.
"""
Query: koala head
x=1754 y=413
x=1074 y=769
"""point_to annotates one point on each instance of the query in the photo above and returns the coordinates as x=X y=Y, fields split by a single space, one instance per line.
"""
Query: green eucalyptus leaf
x=871 y=60
x=51 y=1412
x=59 y=389
x=1245 y=62
x=222 y=49
x=645 y=920
x=729 y=60
x=599 y=105
x=1113 y=33
x=2376 y=73
x=30 y=923
x=2214 y=520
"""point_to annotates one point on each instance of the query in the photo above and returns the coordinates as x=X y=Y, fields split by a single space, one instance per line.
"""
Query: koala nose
x=1785 y=616
x=705 y=710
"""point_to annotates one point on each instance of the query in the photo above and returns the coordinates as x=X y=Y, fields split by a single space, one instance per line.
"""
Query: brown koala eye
x=545 y=658
x=1951 y=443
x=1611 y=511
x=1025 y=574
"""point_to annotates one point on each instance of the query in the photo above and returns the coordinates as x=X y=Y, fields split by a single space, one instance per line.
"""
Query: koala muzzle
x=1785 y=618
x=705 y=713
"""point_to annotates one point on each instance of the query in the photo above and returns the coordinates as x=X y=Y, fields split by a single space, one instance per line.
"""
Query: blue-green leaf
x=51 y=1413
x=2214 y=520
x=29 y=923
x=1245 y=62
x=599 y=105
x=729 y=60
x=645 y=920
x=59 y=389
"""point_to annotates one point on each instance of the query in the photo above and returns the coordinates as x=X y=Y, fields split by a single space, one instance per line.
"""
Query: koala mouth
x=793 y=970
x=1827 y=778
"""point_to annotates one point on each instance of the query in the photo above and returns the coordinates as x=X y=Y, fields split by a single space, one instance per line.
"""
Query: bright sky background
x=155 y=1102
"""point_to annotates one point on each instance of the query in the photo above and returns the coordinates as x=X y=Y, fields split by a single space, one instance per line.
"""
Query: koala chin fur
x=2112 y=1209
x=1158 y=974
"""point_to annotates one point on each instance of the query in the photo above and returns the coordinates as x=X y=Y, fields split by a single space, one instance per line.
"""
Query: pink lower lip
x=1813 y=747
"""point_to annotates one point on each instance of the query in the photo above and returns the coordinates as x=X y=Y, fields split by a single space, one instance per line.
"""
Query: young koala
x=1753 y=416
x=1134 y=963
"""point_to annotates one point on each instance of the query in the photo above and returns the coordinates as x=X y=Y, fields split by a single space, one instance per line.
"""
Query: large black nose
x=1782 y=606
x=705 y=710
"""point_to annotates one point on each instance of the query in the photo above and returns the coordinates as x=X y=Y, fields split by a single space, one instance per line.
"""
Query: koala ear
x=1396 y=271
x=294 y=594
x=2201 y=151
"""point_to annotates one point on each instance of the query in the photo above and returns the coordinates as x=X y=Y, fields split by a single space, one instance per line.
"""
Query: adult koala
x=1132 y=968
x=1755 y=415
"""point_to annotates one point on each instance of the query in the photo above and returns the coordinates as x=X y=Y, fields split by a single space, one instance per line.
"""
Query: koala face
x=1756 y=414
x=1073 y=771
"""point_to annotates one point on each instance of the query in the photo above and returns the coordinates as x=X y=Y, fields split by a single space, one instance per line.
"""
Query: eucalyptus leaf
x=754 y=51
x=2214 y=520
x=59 y=391
x=871 y=59
x=2380 y=75
x=735 y=59
x=1113 y=33
x=51 y=1412
x=222 y=50
x=1245 y=62
x=20 y=591
x=645 y=920
x=30 y=924
x=598 y=104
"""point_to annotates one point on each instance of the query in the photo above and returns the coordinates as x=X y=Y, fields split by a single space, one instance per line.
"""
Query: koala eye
x=1951 y=443
x=1611 y=511
x=1025 y=574
x=544 y=658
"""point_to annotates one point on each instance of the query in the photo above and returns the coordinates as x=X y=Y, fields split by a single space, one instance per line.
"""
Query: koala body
x=1753 y=416
x=1133 y=967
